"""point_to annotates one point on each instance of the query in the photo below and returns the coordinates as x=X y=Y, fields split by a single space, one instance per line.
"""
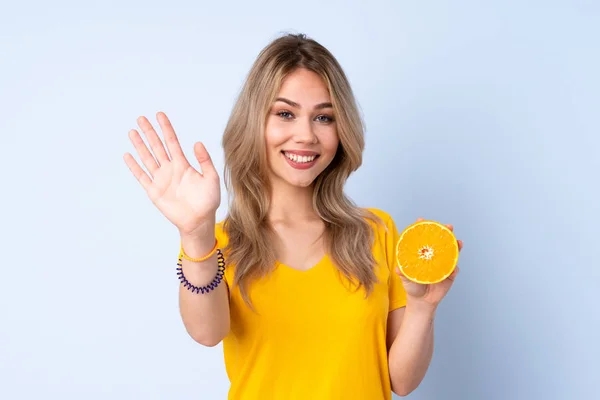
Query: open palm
x=183 y=195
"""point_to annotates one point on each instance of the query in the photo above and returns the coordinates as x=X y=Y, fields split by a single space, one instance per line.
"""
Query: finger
x=450 y=226
x=137 y=171
x=452 y=276
x=142 y=150
x=208 y=169
x=171 y=140
x=420 y=219
x=455 y=272
x=155 y=143
x=460 y=245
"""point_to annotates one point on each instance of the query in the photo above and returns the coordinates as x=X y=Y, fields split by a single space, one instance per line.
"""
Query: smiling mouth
x=300 y=159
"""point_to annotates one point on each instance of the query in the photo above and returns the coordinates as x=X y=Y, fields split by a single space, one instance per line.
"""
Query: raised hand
x=188 y=198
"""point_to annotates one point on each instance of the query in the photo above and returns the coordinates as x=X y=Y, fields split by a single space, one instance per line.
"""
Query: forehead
x=303 y=85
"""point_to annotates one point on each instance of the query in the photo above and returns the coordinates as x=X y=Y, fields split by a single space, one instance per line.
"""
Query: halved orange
x=427 y=252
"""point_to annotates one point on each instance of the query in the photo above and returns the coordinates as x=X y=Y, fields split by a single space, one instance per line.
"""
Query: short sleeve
x=397 y=294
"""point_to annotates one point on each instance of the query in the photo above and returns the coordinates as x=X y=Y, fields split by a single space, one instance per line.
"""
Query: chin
x=301 y=183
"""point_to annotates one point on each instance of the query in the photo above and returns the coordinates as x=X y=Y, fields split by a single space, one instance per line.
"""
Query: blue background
x=479 y=114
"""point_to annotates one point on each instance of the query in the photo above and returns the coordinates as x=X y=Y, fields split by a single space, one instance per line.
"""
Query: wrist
x=200 y=243
x=203 y=229
x=421 y=307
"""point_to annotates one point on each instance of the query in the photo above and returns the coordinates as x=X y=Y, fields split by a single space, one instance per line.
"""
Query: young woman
x=299 y=283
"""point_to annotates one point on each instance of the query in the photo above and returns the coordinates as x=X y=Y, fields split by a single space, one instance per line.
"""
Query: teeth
x=299 y=159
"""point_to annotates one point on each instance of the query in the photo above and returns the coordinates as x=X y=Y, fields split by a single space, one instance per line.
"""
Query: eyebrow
x=294 y=104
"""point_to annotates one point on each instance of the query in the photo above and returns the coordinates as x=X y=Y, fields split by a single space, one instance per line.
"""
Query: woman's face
x=301 y=134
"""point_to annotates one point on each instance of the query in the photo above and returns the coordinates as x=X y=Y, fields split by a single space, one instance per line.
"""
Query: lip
x=297 y=165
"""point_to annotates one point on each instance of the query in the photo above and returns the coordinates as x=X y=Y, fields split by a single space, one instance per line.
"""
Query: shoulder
x=378 y=218
x=386 y=237
x=384 y=215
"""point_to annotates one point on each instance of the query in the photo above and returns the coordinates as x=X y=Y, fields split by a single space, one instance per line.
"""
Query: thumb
x=208 y=169
x=400 y=273
x=403 y=277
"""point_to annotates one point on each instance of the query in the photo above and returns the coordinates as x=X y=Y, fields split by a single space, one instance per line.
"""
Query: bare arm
x=410 y=343
x=205 y=316
x=189 y=199
x=410 y=331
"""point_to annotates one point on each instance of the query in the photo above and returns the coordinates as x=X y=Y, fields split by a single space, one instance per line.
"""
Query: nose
x=303 y=132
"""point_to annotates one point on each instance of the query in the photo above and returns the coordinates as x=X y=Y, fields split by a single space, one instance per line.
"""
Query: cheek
x=274 y=139
x=330 y=142
x=275 y=134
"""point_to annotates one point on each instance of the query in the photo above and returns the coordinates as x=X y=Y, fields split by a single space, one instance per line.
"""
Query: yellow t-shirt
x=309 y=337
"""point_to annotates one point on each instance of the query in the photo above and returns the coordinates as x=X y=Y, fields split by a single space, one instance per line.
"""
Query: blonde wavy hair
x=348 y=235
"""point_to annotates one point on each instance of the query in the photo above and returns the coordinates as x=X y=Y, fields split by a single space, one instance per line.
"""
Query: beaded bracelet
x=211 y=286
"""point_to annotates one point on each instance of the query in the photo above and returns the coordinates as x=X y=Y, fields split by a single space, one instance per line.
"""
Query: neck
x=291 y=203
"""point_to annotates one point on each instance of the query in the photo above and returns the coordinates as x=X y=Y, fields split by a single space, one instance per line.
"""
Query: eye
x=325 y=119
x=285 y=114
